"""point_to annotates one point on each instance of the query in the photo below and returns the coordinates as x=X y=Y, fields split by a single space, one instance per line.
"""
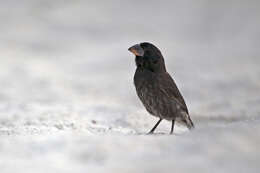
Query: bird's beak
x=137 y=50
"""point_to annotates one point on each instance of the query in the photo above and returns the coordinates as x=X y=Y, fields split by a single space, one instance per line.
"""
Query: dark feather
x=170 y=89
x=156 y=88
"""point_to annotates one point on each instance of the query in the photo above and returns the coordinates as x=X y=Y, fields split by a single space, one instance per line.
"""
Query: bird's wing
x=169 y=88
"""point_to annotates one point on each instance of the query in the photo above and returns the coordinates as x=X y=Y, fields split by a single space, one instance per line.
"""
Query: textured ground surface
x=67 y=100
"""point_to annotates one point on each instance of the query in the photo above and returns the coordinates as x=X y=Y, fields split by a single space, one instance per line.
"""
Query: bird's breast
x=145 y=84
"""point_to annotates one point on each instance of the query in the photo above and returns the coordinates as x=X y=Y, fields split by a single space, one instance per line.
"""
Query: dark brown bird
x=155 y=87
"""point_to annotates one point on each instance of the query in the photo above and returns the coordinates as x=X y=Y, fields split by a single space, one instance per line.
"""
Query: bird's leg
x=172 y=126
x=151 y=131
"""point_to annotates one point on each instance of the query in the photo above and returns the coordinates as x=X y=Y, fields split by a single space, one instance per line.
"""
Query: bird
x=156 y=89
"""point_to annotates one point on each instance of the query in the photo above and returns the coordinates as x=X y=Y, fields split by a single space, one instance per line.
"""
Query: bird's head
x=148 y=57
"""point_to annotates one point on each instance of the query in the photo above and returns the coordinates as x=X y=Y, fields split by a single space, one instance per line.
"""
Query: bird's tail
x=187 y=121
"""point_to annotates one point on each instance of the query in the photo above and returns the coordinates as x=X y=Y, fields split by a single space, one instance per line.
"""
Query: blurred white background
x=67 y=100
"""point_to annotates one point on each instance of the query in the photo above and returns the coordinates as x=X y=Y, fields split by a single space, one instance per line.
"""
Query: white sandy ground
x=62 y=139
x=67 y=100
x=74 y=144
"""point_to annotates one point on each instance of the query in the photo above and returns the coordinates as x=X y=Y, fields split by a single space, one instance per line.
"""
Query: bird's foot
x=150 y=133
